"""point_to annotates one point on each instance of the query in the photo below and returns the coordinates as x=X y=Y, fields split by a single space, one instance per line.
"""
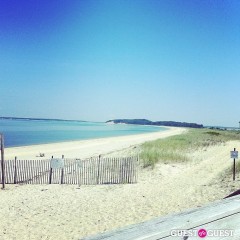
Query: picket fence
x=74 y=171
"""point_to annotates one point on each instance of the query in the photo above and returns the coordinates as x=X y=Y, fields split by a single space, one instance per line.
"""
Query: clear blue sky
x=103 y=59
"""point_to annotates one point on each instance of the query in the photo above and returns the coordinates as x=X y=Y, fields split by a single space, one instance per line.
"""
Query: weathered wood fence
x=74 y=171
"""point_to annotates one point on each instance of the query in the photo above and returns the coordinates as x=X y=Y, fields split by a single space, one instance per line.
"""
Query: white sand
x=68 y=212
x=86 y=148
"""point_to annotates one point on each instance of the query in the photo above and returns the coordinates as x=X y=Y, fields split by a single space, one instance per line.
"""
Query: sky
x=97 y=60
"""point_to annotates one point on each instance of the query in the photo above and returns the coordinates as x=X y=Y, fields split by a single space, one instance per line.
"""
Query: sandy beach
x=86 y=148
x=71 y=212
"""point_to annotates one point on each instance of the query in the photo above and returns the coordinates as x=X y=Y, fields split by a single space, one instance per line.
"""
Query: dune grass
x=176 y=148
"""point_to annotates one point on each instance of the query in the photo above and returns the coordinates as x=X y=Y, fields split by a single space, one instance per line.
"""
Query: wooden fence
x=74 y=171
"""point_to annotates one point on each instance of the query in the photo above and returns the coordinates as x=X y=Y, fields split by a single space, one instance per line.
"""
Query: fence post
x=234 y=166
x=2 y=161
x=98 y=175
x=50 y=175
x=15 y=171
x=62 y=172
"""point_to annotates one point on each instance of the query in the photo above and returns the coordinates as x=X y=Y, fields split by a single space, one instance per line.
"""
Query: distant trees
x=158 y=123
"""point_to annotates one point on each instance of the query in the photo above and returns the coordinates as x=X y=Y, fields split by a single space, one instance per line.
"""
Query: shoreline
x=99 y=130
x=86 y=148
x=78 y=140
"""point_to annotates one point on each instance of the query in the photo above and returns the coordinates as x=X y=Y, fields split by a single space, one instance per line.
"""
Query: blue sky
x=103 y=59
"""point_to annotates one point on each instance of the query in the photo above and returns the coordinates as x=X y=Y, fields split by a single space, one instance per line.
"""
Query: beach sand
x=86 y=148
x=72 y=212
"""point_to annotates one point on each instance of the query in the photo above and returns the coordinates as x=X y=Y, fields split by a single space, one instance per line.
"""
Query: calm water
x=29 y=132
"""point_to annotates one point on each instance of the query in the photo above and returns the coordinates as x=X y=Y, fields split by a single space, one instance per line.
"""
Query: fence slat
x=20 y=170
x=6 y=163
x=7 y=170
x=91 y=172
x=29 y=172
x=41 y=171
x=36 y=167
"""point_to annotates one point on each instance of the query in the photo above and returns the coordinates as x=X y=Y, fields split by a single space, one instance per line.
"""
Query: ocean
x=26 y=132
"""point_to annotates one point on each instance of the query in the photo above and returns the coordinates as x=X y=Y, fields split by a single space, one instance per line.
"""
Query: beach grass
x=176 y=148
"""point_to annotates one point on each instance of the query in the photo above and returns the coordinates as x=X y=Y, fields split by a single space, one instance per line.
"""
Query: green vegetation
x=158 y=123
x=176 y=148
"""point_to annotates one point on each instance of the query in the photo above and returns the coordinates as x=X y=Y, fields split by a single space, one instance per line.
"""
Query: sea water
x=29 y=132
